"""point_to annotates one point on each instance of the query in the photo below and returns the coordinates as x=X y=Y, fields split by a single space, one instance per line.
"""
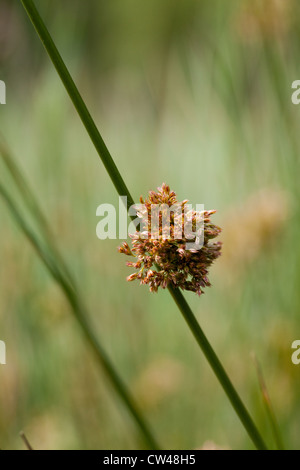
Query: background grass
x=197 y=94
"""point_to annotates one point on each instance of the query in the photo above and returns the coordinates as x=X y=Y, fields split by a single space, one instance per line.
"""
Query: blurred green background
x=193 y=93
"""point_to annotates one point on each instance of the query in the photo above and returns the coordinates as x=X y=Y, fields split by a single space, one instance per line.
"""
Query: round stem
x=122 y=190
x=218 y=369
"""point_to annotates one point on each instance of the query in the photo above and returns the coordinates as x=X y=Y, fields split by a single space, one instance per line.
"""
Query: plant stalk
x=82 y=318
x=218 y=369
x=122 y=190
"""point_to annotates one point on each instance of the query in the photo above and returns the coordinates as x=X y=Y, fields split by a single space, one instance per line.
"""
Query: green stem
x=33 y=206
x=218 y=369
x=268 y=405
x=81 y=316
x=77 y=100
x=123 y=191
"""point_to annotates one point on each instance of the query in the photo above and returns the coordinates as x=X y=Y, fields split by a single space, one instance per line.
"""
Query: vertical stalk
x=218 y=369
x=80 y=313
x=123 y=191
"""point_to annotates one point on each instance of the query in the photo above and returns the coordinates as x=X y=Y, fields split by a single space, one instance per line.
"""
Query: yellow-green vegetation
x=194 y=93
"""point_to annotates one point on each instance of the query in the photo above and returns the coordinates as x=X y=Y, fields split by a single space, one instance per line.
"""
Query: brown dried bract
x=163 y=262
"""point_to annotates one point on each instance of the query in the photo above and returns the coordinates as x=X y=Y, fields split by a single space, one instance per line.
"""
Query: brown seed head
x=162 y=258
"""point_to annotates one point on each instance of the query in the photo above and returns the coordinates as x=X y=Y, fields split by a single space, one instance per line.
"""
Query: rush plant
x=122 y=190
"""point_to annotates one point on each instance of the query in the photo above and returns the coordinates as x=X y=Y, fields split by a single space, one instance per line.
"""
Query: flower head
x=175 y=246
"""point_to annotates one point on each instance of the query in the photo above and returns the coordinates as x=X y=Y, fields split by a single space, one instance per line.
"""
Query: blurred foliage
x=202 y=91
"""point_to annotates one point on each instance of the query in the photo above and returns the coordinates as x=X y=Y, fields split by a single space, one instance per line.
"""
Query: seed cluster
x=162 y=259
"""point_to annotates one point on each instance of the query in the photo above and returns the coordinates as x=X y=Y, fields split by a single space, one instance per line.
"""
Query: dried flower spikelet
x=162 y=257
